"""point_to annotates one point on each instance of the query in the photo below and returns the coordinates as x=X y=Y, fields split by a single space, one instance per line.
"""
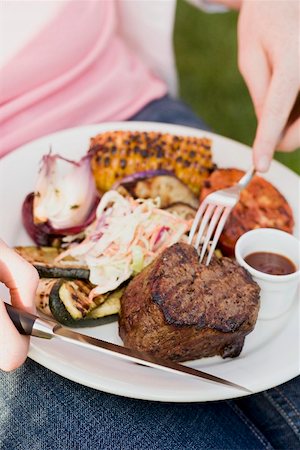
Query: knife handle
x=23 y=321
x=29 y=324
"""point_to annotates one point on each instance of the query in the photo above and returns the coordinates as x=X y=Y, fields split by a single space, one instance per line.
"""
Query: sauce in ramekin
x=271 y=263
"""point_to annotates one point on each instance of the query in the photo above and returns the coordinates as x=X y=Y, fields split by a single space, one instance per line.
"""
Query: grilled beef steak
x=180 y=310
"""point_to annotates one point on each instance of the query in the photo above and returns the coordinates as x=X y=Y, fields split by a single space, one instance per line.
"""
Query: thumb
x=19 y=276
x=21 y=279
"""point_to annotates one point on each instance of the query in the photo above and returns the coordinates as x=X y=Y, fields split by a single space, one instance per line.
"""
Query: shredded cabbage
x=125 y=237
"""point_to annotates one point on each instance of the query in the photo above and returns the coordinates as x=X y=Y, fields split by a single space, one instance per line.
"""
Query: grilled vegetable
x=41 y=234
x=167 y=187
x=131 y=180
x=44 y=260
x=110 y=307
x=42 y=295
x=70 y=304
x=116 y=154
x=75 y=273
x=260 y=205
x=182 y=210
x=64 y=201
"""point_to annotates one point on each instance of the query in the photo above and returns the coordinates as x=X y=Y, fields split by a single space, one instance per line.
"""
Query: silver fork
x=213 y=213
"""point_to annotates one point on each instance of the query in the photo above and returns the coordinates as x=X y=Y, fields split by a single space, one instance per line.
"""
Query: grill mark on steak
x=175 y=287
x=179 y=309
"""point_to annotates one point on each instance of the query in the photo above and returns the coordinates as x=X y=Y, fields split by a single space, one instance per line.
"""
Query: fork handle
x=245 y=180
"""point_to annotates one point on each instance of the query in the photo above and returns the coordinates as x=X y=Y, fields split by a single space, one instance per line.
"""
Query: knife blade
x=31 y=325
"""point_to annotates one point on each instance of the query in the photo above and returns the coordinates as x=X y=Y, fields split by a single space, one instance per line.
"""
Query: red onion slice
x=139 y=176
x=43 y=233
x=64 y=201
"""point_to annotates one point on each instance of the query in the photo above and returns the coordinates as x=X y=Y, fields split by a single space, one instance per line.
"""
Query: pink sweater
x=75 y=70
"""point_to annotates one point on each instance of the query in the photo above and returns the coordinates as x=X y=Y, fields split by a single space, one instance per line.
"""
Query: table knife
x=31 y=325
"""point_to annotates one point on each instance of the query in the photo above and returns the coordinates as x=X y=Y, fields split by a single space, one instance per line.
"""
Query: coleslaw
x=125 y=237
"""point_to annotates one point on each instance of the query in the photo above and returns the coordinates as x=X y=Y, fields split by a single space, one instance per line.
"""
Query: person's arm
x=268 y=56
x=21 y=279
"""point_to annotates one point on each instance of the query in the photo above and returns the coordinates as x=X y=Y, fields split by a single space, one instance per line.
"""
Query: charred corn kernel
x=116 y=154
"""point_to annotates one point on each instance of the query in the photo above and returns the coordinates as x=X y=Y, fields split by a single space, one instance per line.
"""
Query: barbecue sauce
x=271 y=263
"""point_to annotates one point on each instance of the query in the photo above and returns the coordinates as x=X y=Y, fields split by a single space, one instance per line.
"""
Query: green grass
x=206 y=56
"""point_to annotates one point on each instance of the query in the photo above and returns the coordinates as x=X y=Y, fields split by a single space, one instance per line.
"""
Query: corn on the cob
x=116 y=154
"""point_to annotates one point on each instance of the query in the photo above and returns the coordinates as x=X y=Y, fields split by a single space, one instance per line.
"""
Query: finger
x=13 y=346
x=19 y=276
x=291 y=139
x=256 y=72
x=277 y=107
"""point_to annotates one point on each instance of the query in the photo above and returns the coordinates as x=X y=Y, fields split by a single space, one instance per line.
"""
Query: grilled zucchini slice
x=42 y=295
x=70 y=305
x=44 y=260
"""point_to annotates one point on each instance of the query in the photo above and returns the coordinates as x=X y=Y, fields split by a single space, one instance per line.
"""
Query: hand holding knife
x=31 y=325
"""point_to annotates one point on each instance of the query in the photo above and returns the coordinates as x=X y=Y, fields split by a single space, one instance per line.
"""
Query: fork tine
x=204 y=221
x=197 y=220
x=214 y=220
x=218 y=233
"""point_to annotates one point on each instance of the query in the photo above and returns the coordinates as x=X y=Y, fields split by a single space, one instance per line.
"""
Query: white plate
x=271 y=352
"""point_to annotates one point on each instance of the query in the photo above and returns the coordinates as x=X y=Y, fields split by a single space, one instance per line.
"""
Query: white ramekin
x=278 y=292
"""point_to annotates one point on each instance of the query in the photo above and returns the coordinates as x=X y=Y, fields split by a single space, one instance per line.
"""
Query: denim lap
x=40 y=410
x=170 y=110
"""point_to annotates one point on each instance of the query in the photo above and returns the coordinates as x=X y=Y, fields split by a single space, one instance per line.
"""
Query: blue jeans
x=40 y=410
